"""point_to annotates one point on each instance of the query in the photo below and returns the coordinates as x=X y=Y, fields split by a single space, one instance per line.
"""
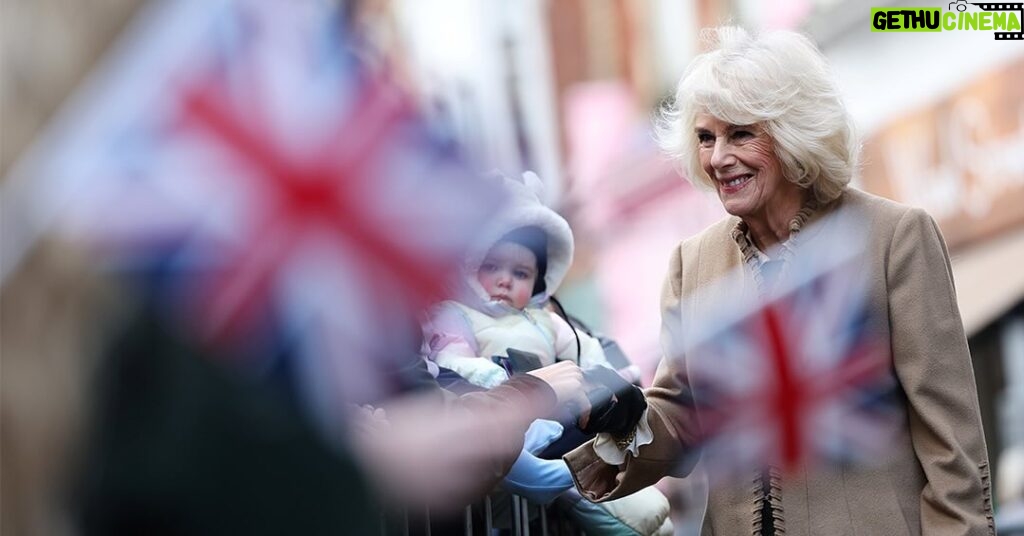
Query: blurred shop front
x=962 y=160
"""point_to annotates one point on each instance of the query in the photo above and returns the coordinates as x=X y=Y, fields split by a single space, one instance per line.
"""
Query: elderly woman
x=759 y=120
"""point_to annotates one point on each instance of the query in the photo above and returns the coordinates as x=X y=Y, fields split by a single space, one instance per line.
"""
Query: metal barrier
x=548 y=521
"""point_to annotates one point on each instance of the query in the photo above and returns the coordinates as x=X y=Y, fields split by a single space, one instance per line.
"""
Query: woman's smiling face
x=741 y=162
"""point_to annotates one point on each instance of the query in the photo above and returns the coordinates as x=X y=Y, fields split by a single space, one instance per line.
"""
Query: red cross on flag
x=801 y=377
x=279 y=200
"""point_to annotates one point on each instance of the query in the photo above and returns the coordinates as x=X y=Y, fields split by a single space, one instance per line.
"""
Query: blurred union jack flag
x=801 y=378
x=281 y=201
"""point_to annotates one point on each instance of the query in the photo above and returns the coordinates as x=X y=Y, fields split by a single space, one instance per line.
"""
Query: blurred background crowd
x=568 y=88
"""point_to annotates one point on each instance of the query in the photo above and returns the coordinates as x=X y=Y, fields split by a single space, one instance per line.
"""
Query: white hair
x=776 y=79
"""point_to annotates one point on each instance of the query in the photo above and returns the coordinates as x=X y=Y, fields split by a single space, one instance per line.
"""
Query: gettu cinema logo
x=1002 y=17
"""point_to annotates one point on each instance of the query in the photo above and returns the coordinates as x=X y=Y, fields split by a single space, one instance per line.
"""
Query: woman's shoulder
x=711 y=252
x=886 y=220
x=716 y=235
x=880 y=209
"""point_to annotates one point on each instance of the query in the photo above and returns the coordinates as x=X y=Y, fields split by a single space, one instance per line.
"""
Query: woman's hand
x=566 y=379
x=617 y=404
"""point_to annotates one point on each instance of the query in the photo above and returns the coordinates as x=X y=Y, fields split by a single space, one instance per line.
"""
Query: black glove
x=616 y=405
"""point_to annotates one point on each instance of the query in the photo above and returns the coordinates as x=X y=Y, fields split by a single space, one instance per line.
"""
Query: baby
x=510 y=276
x=500 y=326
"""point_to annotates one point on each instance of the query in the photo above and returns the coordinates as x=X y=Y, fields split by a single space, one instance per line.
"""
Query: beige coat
x=936 y=482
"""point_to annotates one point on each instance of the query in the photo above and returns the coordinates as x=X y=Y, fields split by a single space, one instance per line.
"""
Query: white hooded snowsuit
x=464 y=336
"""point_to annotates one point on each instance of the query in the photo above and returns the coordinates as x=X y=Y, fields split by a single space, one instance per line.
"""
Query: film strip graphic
x=1003 y=6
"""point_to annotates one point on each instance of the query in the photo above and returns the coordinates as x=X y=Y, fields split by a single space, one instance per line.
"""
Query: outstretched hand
x=425 y=453
x=566 y=379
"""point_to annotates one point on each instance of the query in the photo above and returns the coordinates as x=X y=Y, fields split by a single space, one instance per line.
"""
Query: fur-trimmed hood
x=523 y=208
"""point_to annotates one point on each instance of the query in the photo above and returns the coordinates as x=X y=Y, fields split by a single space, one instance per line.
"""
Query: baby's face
x=508 y=273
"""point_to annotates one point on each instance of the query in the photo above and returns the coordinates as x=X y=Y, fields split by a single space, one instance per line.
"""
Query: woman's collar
x=810 y=210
